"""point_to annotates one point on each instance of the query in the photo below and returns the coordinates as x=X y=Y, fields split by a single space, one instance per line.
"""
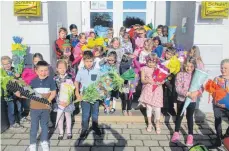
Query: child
x=61 y=77
x=157 y=48
x=70 y=70
x=126 y=44
x=73 y=37
x=182 y=84
x=86 y=76
x=195 y=52
x=159 y=32
x=164 y=38
x=10 y=99
x=169 y=86
x=92 y=35
x=110 y=34
x=121 y=33
x=139 y=41
x=146 y=51
x=116 y=47
x=39 y=112
x=223 y=81
x=60 y=41
x=98 y=54
x=107 y=65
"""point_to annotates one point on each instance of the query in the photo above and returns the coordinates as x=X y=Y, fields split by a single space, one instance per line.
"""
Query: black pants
x=218 y=114
x=189 y=115
x=126 y=103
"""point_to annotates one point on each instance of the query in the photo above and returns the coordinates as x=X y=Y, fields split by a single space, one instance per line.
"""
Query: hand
x=220 y=105
x=64 y=104
x=79 y=98
x=131 y=56
x=194 y=95
x=17 y=75
x=17 y=94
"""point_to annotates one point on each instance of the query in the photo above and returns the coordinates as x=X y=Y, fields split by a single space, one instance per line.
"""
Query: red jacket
x=58 y=47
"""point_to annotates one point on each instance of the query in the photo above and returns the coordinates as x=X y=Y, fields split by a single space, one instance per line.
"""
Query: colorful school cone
x=219 y=94
x=198 y=79
x=160 y=74
x=171 y=33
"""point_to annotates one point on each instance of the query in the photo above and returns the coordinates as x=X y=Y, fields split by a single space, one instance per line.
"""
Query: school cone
x=198 y=79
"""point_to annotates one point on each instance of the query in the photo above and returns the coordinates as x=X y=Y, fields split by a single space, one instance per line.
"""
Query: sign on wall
x=27 y=8
x=214 y=9
x=98 y=5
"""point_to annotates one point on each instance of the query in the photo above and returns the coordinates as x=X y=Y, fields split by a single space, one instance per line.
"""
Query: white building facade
x=39 y=33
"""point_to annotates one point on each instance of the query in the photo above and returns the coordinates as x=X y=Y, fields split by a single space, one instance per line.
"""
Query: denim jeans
x=42 y=116
x=87 y=109
x=11 y=111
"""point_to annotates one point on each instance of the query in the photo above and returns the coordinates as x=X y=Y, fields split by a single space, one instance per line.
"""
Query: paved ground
x=116 y=137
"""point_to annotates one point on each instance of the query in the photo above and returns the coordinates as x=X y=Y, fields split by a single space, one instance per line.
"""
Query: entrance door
x=116 y=14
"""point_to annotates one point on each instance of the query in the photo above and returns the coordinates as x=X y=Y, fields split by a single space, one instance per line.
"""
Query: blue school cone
x=198 y=79
x=225 y=101
x=107 y=103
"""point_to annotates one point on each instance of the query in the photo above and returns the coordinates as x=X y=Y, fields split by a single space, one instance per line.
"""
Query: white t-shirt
x=142 y=56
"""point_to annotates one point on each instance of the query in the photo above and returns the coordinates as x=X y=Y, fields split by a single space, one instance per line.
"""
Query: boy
x=39 y=112
x=11 y=99
x=60 y=41
x=159 y=32
x=86 y=76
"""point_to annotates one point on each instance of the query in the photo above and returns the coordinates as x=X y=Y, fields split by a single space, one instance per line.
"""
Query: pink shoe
x=189 y=141
x=176 y=137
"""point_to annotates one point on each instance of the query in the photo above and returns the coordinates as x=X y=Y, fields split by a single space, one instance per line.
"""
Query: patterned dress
x=148 y=97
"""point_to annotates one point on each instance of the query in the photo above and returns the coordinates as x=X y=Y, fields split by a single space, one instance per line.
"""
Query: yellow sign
x=27 y=8
x=215 y=9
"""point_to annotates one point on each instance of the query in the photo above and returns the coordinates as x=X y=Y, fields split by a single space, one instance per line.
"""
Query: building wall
x=34 y=31
x=212 y=38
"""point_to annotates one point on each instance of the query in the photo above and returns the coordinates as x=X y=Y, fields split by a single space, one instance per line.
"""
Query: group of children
x=119 y=55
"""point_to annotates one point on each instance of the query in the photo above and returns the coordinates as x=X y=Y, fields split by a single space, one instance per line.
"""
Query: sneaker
x=97 y=130
x=112 y=110
x=33 y=147
x=24 y=119
x=189 y=141
x=176 y=137
x=45 y=146
x=83 y=134
x=124 y=112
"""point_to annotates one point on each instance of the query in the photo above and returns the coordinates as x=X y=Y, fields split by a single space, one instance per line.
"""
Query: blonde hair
x=224 y=61
x=113 y=40
x=81 y=35
x=196 y=52
x=152 y=57
x=191 y=60
x=148 y=43
x=6 y=58
x=63 y=29
x=62 y=61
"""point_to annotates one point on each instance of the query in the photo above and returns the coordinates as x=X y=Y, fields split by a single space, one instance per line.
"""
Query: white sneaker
x=45 y=146
x=33 y=147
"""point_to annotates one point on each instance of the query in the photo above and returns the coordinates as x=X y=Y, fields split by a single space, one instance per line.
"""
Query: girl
x=195 y=52
x=73 y=37
x=108 y=64
x=182 y=84
x=121 y=33
x=70 y=70
x=115 y=46
x=110 y=34
x=153 y=101
x=157 y=48
x=146 y=51
x=223 y=81
x=139 y=41
x=126 y=44
x=98 y=54
x=61 y=77
x=159 y=31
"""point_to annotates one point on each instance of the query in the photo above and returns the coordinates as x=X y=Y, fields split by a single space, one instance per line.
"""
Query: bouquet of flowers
x=101 y=88
x=28 y=75
x=66 y=48
x=66 y=93
x=19 y=53
x=173 y=65
x=219 y=94
x=181 y=53
x=160 y=74
x=4 y=79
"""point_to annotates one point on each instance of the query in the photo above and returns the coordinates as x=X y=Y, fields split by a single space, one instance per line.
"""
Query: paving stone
x=159 y=137
x=124 y=149
x=78 y=126
x=142 y=148
x=27 y=142
x=105 y=142
x=138 y=126
x=131 y=131
x=121 y=142
x=173 y=148
x=134 y=143
x=118 y=126
x=166 y=143
x=204 y=131
x=140 y=137
x=2 y=147
x=102 y=149
x=5 y=135
x=16 y=131
x=86 y=143
x=150 y=143
x=112 y=131
x=21 y=136
x=26 y=125
x=156 y=149
x=10 y=141
x=213 y=136
x=17 y=148
x=118 y=136
x=59 y=148
x=68 y=142
x=201 y=137
x=205 y=142
x=80 y=149
x=93 y=136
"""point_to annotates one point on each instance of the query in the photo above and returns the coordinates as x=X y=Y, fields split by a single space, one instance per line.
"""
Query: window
x=134 y=5
x=131 y=18
x=101 y=18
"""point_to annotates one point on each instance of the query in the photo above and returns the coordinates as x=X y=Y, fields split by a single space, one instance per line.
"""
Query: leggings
x=60 y=117
x=126 y=102
x=157 y=112
x=189 y=116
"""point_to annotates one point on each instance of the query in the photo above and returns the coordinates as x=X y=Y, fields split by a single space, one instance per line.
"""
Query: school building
x=39 y=33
